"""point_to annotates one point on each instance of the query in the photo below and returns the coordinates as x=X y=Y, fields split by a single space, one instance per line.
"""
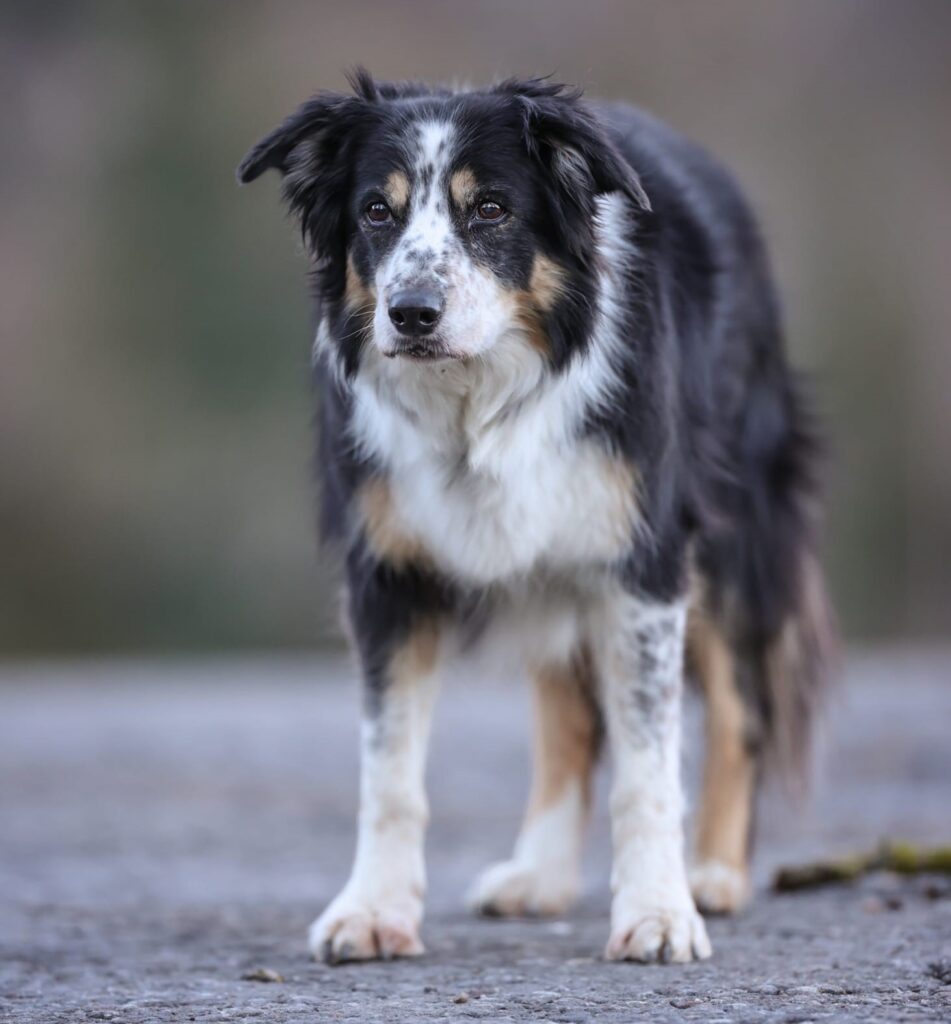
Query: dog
x=553 y=399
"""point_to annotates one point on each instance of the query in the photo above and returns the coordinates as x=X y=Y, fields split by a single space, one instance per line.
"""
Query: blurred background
x=155 y=486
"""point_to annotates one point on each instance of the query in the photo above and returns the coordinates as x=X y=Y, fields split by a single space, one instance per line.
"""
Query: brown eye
x=377 y=213
x=489 y=211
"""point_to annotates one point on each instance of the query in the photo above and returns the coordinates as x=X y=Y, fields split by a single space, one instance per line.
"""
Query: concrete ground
x=168 y=829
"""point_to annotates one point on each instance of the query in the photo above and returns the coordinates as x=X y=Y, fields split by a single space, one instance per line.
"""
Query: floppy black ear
x=311 y=120
x=565 y=135
x=325 y=112
x=314 y=151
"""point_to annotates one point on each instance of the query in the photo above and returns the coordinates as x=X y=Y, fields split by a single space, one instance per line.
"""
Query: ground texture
x=166 y=831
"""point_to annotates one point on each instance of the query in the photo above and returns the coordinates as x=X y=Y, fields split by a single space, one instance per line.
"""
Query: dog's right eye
x=377 y=213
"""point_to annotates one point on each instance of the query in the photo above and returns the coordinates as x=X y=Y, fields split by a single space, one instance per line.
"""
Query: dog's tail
x=764 y=581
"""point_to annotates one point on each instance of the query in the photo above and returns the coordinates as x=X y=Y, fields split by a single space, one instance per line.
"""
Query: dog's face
x=445 y=245
x=443 y=223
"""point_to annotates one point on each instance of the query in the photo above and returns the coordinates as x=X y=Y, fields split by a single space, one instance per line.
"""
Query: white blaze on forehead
x=429 y=227
x=434 y=140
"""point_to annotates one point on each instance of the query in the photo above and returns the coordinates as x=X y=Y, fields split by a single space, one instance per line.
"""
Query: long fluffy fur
x=604 y=410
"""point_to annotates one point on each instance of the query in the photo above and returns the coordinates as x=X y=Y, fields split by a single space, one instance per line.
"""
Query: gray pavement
x=167 y=829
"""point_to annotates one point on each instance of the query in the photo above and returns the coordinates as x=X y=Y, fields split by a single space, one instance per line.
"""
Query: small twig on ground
x=902 y=858
x=264 y=974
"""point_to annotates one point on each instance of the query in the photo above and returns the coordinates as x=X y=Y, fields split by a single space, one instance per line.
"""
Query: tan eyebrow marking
x=462 y=187
x=396 y=191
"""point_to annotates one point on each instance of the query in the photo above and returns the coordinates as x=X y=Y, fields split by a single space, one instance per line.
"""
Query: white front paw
x=521 y=888
x=673 y=933
x=359 y=925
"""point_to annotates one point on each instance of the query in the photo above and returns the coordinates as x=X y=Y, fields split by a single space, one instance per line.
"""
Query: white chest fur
x=485 y=468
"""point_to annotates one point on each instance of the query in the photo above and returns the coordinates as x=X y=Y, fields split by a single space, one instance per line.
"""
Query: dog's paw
x=358 y=927
x=520 y=888
x=652 y=934
x=719 y=888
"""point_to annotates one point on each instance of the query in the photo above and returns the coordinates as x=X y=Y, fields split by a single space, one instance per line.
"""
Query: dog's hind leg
x=719 y=876
x=542 y=876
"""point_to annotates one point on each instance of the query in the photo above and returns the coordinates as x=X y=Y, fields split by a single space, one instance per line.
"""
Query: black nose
x=415 y=311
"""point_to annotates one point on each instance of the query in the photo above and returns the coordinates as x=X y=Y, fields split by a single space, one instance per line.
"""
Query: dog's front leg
x=653 y=916
x=379 y=910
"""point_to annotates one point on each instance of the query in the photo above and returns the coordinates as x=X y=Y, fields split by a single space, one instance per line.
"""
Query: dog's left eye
x=489 y=211
x=377 y=212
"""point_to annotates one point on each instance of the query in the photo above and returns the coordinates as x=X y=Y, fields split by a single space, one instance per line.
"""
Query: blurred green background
x=155 y=487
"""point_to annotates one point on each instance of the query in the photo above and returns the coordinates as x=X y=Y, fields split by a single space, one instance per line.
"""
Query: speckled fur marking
x=653 y=915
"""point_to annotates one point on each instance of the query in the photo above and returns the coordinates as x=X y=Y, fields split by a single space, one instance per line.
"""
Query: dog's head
x=441 y=222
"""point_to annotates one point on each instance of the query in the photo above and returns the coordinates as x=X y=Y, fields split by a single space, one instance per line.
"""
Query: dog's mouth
x=427 y=351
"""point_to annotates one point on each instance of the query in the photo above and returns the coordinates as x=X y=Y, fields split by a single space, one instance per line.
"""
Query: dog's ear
x=311 y=121
x=313 y=150
x=568 y=139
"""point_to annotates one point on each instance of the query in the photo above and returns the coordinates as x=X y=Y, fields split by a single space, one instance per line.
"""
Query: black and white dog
x=553 y=398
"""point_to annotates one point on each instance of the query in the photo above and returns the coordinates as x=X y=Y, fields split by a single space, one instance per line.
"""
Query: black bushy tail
x=766 y=572
x=789 y=625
